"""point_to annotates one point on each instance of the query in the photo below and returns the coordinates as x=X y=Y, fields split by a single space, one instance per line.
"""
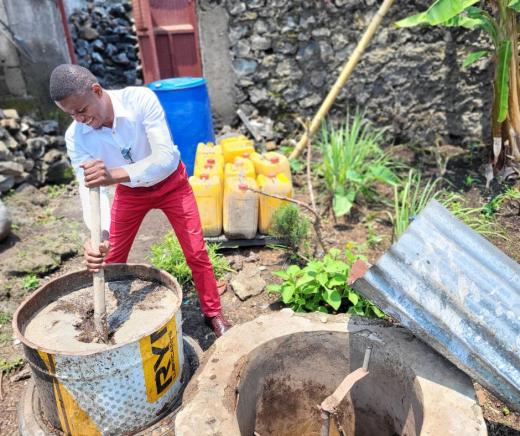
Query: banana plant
x=500 y=24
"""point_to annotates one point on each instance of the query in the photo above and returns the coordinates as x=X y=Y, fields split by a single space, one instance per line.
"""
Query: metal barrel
x=118 y=390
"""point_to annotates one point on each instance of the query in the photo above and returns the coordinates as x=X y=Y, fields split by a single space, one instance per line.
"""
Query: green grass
x=5 y=318
x=477 y=218
x=289 y=224
x=353 y=162
x=167 y=255
x=6 y=366
x=410 y=199
x=30 y=282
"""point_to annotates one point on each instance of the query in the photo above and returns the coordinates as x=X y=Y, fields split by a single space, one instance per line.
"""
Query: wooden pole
x=100 y=315
x=343 y=77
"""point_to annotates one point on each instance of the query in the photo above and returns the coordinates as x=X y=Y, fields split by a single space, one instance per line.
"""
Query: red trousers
x=175 y=198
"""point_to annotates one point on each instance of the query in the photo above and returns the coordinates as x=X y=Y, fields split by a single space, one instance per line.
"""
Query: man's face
x=88 y=108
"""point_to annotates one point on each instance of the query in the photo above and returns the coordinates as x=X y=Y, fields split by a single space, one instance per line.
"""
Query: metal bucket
x=119 y=390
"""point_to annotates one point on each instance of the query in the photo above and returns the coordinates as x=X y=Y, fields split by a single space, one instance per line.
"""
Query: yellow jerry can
x=271 y=163
x=208 y=194
x=241 y=167
x=208 y=150
x=240 y=208
x=272 y=184
x=236 y=146
x=211 y=168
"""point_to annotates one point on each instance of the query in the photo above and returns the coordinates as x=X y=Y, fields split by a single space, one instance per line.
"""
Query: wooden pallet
x=258 y=241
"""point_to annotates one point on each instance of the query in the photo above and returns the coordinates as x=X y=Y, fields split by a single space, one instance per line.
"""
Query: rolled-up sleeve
x=164 y=157
x=77 y=156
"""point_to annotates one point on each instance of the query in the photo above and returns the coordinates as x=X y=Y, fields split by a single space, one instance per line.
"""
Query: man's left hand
x=96 y=174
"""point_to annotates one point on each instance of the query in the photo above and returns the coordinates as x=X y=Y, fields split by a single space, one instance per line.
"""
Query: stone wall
x=105 y=42
x=31 y=151
x=287 y=54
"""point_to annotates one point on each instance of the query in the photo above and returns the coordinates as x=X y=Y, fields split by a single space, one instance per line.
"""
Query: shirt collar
x=119 y=111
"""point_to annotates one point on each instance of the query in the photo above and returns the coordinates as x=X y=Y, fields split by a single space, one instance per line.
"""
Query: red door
x=168 y=38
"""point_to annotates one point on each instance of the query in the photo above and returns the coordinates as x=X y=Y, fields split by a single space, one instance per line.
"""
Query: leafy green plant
x=167 y=254
x=322 y=286
x=353 y=161
x=494 y=205
x=55 y=191
x=5 y=318
x=500 y=25
x=410 y=199
x=290 y=224
x=373 y=238
x=30 y=282
x=6 y=366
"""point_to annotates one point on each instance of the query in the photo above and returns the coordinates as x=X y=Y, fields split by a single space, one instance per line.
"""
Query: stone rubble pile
x=105 y=42
x=31 y=151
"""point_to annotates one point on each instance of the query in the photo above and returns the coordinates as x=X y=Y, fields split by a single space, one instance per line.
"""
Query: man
x=121 y=138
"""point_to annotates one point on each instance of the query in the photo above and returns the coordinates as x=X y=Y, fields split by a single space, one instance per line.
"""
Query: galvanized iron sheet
x=458 y=293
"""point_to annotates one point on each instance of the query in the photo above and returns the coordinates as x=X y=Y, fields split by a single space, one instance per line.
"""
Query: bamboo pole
x=100 y=315
x=343 y=77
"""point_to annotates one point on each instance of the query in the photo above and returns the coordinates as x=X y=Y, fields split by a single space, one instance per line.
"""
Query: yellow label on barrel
x=160 y=357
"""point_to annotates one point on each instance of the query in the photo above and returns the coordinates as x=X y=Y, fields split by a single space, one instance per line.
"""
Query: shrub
x=289 y=224
x=322 y=286
x=353 y=162
x=167 y=255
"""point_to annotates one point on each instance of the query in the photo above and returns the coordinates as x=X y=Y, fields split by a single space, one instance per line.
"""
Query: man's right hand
x=94 y=259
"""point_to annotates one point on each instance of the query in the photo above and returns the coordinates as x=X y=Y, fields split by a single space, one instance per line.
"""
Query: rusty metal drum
x=118 y=390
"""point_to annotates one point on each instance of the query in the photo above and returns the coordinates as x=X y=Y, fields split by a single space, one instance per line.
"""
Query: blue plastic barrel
x=185 y=101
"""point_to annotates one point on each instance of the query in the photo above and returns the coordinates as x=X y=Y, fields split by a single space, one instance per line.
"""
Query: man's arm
x=78 y=156
x=165 y=156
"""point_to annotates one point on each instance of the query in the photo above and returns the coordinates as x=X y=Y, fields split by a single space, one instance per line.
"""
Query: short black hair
x=68 y=79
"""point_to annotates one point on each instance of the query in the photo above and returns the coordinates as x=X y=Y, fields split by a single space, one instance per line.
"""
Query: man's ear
x=97 y=89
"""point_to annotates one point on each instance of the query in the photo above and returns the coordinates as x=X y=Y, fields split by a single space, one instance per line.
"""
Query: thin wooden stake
x=100 y=315
x=347 y=70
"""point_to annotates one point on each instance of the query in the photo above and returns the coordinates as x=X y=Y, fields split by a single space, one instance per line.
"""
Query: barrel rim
x=122 y=269
x=190 y=82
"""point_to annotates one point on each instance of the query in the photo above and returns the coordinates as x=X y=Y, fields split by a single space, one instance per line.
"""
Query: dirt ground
x=47 y=218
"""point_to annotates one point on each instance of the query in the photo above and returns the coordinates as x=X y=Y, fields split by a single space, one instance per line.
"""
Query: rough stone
x=244 y=67
x=5 y=153
x=88 y=33
x=260 y=43
x=11 y=169
x=6 y=183
x=248 y=282
x=257 y=95
x=10 y=113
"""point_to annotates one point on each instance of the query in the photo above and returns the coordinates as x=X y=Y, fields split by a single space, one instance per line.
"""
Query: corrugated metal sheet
x=458 y=293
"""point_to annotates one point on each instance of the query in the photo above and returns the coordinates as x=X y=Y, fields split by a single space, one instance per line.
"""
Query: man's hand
x=96 y=174
x=95 y=259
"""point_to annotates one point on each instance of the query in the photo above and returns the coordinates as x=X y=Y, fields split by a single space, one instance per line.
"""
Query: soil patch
x=133 y=307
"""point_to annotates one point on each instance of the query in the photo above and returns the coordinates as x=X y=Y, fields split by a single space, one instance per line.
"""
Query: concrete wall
x=38 y=24
x=216 y=60
x=11 y=78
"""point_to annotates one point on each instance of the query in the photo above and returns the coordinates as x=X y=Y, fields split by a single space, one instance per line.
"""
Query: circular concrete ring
x=242 y=364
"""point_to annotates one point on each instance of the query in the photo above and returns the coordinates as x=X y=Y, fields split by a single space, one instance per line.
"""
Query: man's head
x=76 y=91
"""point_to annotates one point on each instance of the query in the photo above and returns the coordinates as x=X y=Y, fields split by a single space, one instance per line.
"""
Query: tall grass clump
x=353 y=162
x=167 y=255
x=410 y=199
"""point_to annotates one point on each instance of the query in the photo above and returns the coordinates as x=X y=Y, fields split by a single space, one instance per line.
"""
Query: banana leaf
x=502 y=79
x=473 y=57
x=515 y=5
x=438 y=13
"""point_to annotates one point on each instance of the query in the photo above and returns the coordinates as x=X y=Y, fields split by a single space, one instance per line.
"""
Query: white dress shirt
x=139 y=141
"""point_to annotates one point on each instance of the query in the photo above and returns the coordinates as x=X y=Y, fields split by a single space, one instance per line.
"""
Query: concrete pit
x=273 y=372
